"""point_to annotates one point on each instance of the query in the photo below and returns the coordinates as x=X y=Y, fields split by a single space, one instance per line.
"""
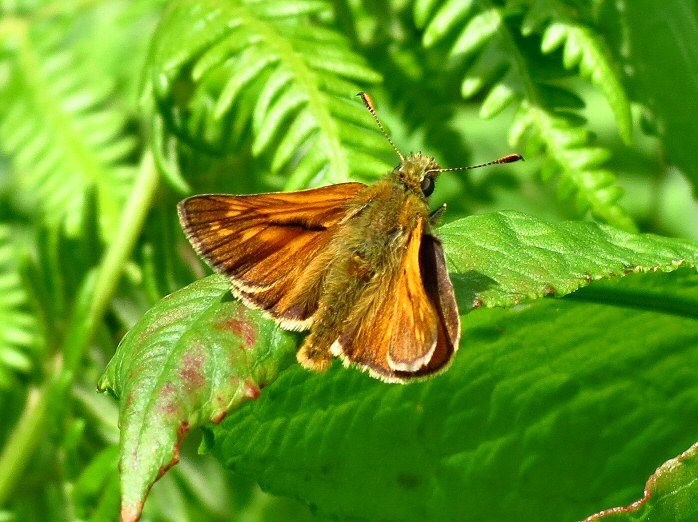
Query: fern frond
x=58 y=129
x=583 y=47
x=272 y=67
x=18 y=333
x=566 y=153
x=500 y=63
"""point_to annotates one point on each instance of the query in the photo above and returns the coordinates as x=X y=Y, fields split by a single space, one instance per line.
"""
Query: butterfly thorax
x=373 y=240
x=384 y=213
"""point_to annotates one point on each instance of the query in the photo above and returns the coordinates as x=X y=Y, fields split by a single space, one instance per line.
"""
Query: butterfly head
x=418 y=172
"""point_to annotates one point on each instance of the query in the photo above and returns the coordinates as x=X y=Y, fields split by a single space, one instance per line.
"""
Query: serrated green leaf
x=505 y=258
x=584 y=47
x=191 y=359
x=566 y=155
x=549 y=410
x=496 y=59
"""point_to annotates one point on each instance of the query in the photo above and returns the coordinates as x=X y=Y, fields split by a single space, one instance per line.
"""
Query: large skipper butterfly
x=359 y=265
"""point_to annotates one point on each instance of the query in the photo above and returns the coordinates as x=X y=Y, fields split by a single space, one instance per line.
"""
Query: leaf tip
x=132 y=513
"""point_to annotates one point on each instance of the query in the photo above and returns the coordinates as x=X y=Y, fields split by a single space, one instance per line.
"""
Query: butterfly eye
x=427 y=185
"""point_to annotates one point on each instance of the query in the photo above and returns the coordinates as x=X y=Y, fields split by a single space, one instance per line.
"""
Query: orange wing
x=273 y=247
x=410 y=327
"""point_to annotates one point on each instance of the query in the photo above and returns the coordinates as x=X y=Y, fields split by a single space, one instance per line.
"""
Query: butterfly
x=358 y=265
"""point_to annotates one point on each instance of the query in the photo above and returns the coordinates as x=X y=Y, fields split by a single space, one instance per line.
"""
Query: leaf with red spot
x=193 y=357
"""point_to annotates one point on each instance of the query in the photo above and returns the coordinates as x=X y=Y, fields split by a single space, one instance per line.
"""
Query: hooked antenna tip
x=511 y=158
x=369 y=105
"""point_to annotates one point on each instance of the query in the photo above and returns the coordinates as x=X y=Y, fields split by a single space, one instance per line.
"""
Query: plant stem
x=23 y=439
x=97 y=296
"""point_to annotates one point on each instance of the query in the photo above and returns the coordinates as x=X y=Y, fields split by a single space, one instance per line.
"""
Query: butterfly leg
x=315 y=354
x=312 y=357
x=435 y=216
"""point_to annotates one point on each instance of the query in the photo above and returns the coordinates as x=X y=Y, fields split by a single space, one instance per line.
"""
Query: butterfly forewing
x=266 y=244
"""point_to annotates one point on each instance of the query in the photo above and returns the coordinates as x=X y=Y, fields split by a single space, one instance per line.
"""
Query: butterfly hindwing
x=415 y=329
x=440 y=291
x=424 y=326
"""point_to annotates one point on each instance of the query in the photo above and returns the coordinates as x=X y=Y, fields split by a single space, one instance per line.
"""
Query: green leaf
x=564 y=25
x=505 y=258
x=583 y=47
x=551 y=411
x=670 y=494
x=191 y=359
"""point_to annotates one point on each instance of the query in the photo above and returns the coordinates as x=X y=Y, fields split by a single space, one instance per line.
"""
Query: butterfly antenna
x=509 y=158
x=369 y=105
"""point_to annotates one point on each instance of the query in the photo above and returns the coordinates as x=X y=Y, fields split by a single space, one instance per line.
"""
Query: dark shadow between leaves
x=469 y=287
